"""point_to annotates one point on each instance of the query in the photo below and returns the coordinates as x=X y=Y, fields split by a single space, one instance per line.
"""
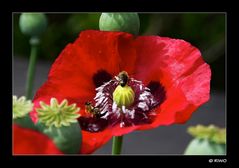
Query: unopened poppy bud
x=123 y=96
x=125 y=22
x=208 y=140
x=33 y=24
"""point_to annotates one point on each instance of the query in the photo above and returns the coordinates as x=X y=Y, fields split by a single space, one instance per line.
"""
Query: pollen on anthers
x=123 y=96
x=124 y=101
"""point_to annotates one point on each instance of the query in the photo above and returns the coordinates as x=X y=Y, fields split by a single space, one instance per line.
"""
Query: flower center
x=123 y=96
x=124 y=101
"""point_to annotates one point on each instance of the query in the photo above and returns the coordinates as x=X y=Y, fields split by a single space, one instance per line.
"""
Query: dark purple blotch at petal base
x=157 y=90
x=100 y=77
x=140 y=112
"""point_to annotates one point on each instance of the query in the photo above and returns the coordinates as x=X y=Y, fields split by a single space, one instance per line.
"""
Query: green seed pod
x=123 y=96
x=21 y=106
x=66 y=138
x=57 y=114
x=59 y=122
x=208 y=140
x=33 y=24
x=125 y=22
x=204 y=147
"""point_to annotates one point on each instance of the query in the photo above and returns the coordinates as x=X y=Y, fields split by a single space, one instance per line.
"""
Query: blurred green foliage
x=206 y=31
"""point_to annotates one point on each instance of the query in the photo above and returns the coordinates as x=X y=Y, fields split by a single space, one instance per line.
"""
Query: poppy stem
x=117 y=144
x=31 y=67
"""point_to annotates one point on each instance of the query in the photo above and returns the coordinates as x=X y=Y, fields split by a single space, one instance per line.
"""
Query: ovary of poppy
x=171 y=72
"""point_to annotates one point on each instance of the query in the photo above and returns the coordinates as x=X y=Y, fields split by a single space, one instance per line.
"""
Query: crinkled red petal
x=92 y=141
x=180 y=68
x=71 y=75
x=26 y=141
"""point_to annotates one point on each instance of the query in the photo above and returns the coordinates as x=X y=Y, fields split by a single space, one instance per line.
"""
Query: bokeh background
x=206 y=31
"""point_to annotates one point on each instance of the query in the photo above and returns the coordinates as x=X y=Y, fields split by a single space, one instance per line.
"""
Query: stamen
x=124 y=101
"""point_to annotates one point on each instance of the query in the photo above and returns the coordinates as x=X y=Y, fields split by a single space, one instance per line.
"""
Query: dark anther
x=100 y=77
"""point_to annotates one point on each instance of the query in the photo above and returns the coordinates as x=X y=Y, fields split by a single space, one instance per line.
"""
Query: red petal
x=93 y=141
x=71 y=74
x=26 y=141
x=180 y=68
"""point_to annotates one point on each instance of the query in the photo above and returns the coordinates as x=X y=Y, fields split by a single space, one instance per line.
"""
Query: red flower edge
x=30 y=142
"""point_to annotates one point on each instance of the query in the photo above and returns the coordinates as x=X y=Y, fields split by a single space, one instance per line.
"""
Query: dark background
x=206 y=31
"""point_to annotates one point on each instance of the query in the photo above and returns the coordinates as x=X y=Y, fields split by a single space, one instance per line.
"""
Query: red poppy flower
x=168 y=76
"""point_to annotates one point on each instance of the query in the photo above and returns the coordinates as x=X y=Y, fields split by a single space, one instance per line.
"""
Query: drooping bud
x=33 y=24
x=125 y=22
x=123 y=96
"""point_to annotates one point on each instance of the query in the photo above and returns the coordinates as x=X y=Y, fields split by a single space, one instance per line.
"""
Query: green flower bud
x=33 y=24
x=204 y=147
x=126 y=22
x=123 y=96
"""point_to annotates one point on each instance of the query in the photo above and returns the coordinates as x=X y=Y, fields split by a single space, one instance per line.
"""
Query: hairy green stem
x=31 y=68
